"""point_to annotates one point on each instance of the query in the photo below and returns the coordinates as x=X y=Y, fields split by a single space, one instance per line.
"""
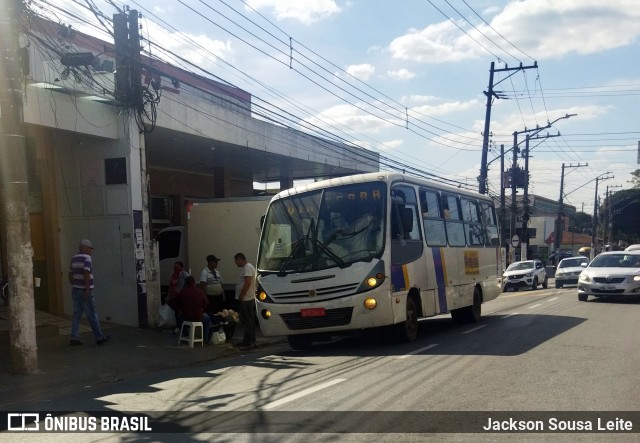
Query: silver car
x=569 y=269
x=611 y=273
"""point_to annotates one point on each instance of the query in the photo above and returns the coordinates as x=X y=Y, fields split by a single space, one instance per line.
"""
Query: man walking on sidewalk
x=81 y=279
x=246 y=295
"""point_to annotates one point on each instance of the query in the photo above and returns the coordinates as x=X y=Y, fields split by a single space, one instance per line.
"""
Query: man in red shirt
x=191 y=303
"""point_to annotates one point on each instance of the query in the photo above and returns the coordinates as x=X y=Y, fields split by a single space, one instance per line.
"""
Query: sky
x=407 y=78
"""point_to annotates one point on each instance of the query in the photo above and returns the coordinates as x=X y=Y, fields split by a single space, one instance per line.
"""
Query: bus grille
x=326 y=293
x=333 y=317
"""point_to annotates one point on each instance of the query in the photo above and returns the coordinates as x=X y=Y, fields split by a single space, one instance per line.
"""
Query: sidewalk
x=130 y=353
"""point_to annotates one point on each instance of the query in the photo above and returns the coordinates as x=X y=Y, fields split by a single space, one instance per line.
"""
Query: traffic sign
x=515 y=241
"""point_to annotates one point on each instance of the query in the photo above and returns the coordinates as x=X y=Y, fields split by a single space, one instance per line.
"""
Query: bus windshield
x=322 y=229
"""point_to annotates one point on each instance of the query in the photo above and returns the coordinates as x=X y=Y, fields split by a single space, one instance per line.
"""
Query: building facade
x=97 y=167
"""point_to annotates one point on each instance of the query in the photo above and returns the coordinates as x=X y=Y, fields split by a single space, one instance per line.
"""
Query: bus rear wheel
x=300 y=342
x=408 y=329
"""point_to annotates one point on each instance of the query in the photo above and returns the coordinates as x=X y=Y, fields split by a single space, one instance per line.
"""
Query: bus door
x=407 y=248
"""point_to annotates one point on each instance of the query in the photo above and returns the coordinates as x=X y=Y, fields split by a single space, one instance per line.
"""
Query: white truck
x=222 y=227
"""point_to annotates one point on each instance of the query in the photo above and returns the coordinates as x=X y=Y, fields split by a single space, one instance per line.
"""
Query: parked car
x=523 y=274
x=633 y=248
x=611 y=273
x=554 y=260
x=569 y=269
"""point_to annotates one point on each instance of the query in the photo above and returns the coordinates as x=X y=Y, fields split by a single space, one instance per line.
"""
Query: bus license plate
x=312 y=312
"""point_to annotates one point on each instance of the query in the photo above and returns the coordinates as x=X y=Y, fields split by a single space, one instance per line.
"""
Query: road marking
x=418 y=350
x=302 y=393
x=474 y=329
x=510 y=315
x=552 y=299
x=535 y=306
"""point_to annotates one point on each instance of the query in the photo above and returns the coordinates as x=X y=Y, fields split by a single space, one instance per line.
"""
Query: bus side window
x=432 y=217
x=490 y=225
x=473 y=227
x=455 y=227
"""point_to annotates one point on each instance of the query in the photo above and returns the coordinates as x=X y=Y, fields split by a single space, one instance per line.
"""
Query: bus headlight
x=372 y=279
x=261 y=295
x=370 y=303
x=266 y=314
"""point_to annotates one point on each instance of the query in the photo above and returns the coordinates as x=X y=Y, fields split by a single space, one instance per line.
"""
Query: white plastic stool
x=192 y=333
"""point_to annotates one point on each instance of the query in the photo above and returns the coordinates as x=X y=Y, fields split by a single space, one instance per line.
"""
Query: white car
x=609 y=274
x=569 y=270
x=633 y=248
x=524 y=274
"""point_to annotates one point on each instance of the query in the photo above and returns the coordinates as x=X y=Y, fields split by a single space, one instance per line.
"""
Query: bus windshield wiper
x=332 y=255
x=302 y=241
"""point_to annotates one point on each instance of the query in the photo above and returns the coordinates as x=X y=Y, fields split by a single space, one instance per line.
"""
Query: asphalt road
x=539 y=350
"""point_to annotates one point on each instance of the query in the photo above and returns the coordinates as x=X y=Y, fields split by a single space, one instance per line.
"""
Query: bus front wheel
x=300 y=342
x=408 y=329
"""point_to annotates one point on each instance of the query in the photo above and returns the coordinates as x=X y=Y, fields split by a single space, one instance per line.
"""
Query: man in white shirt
x=246 y=296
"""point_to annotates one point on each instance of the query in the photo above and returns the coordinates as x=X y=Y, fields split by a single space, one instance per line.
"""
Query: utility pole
x=491 y=94
x=514 y=183
x=15 y=196
x=521 y=178
x=594 y=225
x=559 y=225
x=525 y=203
x=129 y=92
x=502 y=198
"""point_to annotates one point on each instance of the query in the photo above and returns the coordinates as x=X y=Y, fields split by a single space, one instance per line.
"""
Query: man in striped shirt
x=81 y=279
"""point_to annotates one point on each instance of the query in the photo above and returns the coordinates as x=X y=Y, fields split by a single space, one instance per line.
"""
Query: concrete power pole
x=559 y=225
x=15 y=195
x=594 y=226
x=129 y=92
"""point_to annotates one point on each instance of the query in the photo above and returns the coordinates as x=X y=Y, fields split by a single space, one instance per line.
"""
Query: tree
x=625 y=207
x=580 y=222
x=635 y=178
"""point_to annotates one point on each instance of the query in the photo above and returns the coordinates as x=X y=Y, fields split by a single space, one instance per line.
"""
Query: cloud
x=350 y=117
x=506 y=125
x=385 y=146
x=540 y=28
x=307 y=12
x=219 y=48
x=446 y=108
x=552 y=29
x=401 y=74
x=363 y=72
x=439 y=43
x=390 y=145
